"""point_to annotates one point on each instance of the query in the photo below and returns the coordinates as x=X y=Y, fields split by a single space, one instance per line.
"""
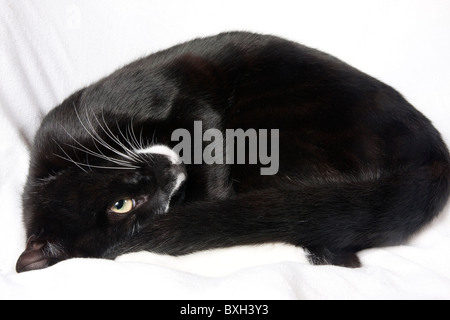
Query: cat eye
x=123 y=206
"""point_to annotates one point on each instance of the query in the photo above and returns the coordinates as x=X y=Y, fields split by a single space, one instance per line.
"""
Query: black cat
x=341 y=163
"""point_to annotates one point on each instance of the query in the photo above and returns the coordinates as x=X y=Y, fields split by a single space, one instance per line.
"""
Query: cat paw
x=338 y=258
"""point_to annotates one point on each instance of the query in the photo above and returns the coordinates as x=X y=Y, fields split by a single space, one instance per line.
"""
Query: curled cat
x=144 y=159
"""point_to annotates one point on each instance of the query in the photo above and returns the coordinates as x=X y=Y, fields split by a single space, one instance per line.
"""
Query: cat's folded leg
x=261 y=217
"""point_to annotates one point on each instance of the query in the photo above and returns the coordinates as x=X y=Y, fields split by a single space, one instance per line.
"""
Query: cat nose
x=39 y=254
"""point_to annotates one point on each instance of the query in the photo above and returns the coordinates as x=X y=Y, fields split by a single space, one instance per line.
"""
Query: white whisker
x=80 y=165
x=99 y=139
x=141 y=138
x=109 y=133
x=68 y=157
x=128 y=160
x=137 y=145
x=100 y=155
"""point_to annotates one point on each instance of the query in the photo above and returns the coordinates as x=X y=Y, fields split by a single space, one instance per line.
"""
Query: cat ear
x=40 y=254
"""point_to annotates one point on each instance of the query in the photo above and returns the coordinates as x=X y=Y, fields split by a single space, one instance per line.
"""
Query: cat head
x=94 y=180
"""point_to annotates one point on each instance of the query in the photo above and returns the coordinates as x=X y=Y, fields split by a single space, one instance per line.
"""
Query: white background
x=50 y=48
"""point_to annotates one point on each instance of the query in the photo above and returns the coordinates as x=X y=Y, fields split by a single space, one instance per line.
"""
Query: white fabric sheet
x=48 y=49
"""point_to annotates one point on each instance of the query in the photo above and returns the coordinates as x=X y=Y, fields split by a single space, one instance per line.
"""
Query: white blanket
x=48 y=49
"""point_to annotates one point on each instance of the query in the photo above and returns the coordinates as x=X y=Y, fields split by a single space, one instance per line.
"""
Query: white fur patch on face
x=174 y=159
x=162 y=150
x=180 y=179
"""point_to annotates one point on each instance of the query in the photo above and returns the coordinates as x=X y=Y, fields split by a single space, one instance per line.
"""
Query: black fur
x=359 y=166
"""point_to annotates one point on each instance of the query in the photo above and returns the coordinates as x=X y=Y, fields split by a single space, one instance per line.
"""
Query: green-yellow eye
x=123 y=206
